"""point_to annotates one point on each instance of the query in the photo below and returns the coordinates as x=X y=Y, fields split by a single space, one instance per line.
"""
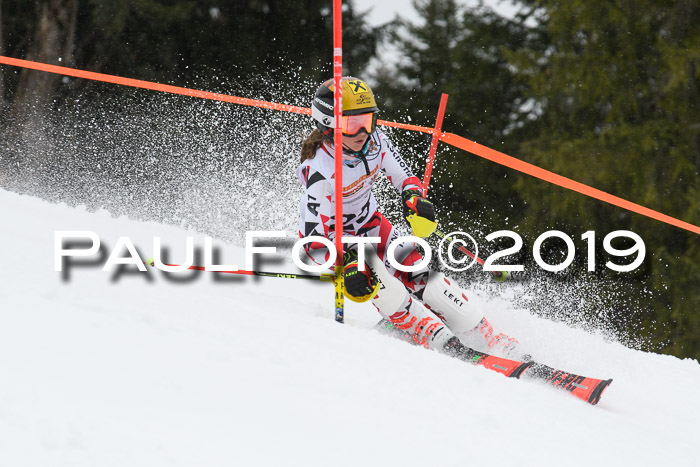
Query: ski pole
x=326 y=277
x=498 y=276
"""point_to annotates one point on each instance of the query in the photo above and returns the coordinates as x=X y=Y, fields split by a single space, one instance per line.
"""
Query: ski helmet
x=358 y=99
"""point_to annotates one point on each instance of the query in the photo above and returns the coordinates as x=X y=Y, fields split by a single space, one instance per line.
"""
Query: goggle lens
x=353 y=124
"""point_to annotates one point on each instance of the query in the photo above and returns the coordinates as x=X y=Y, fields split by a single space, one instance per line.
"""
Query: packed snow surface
x=182 y=369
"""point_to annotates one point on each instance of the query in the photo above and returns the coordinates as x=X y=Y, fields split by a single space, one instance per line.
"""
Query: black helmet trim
x=322 y=119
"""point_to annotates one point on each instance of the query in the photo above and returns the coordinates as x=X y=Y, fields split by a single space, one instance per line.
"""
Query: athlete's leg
x=405 y=254
x=448 y=301
x=405 y=312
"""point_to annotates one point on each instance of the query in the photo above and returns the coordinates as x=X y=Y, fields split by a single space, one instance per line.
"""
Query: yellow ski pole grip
x=421 y=226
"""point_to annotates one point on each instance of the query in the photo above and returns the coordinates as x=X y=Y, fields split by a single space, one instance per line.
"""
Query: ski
x=585 y=388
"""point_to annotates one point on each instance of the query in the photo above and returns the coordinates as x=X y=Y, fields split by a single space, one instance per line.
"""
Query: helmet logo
x=324 y=104
x=357 y=86
x=326 y=121
x=363 y=99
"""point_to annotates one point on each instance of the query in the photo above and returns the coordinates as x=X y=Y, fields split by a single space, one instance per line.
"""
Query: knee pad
x=444 y=297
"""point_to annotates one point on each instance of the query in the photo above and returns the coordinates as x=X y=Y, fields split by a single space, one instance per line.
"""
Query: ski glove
x=360 y=286
x=419 y=213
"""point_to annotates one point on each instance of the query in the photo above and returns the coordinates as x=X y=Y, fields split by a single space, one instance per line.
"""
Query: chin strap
x=361 y=155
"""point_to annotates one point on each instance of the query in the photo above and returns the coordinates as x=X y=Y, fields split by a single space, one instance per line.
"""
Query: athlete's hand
x=419 y=213
x=360 y=286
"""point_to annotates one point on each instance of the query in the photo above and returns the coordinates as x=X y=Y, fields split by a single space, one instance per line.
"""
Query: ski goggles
x=352 y=125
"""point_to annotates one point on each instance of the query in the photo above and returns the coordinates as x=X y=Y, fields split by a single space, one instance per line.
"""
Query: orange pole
x=551 y=177
x=434 y=143
x=449 y=138
x=137 y=83
x=429 y=171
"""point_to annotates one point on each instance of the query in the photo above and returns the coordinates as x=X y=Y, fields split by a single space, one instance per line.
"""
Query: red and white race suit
x=446 y=302
x=360 y=216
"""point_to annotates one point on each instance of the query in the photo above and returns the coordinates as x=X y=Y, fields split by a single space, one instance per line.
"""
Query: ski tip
x=598 y=391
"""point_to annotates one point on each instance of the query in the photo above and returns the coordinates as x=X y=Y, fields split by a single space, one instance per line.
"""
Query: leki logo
x=457 y=301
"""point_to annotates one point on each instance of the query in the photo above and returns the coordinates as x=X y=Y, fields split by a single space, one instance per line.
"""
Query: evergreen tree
x=461 y=51
x=209 y=44
x=618 y=89
x=605 y=93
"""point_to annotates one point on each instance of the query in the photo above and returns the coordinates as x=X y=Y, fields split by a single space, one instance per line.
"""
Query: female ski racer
x=425 y=305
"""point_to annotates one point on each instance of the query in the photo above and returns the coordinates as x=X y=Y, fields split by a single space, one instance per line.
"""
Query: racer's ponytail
x=311 y=144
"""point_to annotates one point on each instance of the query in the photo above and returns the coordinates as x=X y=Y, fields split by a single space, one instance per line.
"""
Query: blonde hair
x=311 y=145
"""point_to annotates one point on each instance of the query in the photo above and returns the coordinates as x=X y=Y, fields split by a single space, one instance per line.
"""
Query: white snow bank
x=139 y=369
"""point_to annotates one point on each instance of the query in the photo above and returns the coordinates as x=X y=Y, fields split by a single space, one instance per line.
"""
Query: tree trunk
x=52 y=42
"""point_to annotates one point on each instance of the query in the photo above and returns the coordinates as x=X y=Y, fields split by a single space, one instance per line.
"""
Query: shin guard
x=448 y=301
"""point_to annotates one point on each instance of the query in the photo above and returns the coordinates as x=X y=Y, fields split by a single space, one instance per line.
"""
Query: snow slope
x=145 y=369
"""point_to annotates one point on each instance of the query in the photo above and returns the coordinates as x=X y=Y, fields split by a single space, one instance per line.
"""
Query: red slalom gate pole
x=434 y=142
x=338 y=143
x=498 y=275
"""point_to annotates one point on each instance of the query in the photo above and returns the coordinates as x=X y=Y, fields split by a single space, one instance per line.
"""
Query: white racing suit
x=419 y=303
